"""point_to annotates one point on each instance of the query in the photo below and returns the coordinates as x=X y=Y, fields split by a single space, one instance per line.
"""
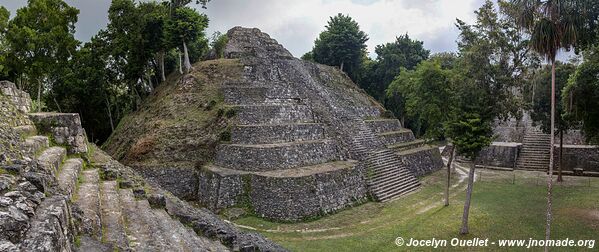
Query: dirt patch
x=590 y=216
x=142 y=147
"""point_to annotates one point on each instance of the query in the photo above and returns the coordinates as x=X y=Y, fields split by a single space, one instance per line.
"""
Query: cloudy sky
x=296 y=23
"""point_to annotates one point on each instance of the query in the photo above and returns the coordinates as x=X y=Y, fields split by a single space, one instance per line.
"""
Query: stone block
x=499 y=154
x=395 y=137
x=65 y=129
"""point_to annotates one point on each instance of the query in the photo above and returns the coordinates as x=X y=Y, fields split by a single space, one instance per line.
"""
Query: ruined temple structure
x=56 y=194
x=306 y=140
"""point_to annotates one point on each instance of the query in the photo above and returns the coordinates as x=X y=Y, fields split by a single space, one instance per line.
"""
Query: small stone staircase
x=386 y=175
x=535 y=151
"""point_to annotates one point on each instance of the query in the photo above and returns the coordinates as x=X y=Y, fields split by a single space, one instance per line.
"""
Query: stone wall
x=65 y=129
x=422 y=161
x=579 y=156
x=20 y=99
x=499 y=154
x=180 y=180
x=285 y=197
x=249 y=134
x=275 y=156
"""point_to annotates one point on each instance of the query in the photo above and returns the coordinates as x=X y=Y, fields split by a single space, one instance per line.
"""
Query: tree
x=552 y=25
x=4 y=17
x=219 y=41
x=541 y=112
x=185 y=26
x=342 y=44
x=41 y=40
x=391 y=57
x=581 y=96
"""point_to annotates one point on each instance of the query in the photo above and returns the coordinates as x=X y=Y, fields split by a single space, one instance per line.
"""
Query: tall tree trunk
x=464 y=229
x=109 y=113
x=341 y=67
x=180 y=64
x=39 y=96
x=186 y=61
x=551 y=149
x=451 y=155
x=561 y=158
x=161 y=63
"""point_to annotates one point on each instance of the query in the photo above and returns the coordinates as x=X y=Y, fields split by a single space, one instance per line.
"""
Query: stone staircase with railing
x=535 y=151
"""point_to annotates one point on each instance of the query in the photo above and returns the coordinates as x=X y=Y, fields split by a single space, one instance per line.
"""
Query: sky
x=296 y=23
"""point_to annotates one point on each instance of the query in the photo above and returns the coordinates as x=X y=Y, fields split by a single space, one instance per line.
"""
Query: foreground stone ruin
x=58 y=195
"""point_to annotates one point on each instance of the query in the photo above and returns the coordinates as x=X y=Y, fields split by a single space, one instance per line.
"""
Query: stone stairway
x=535 y=151
x=113 y=218
x=387 y=177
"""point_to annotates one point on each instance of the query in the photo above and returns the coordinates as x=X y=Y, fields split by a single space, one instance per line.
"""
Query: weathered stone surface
x=67 y=178
x=242 y=43
x=65 y=128
x=499 y=154
x=181 y=181
x=275 y=156
x=278 y=133
x=274 y=114
x=88 y=200
x=50 y=160
x=395 y=137
x=50 y=228
x=112 y=216
x=422 y=161
x=35 y=144
x=383 y=125
x=579 y=156
x=18 y=97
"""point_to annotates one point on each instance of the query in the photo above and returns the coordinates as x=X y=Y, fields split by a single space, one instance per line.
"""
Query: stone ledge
x=395 y=137
x=273 y=114
x=383 y=125
x=263 y=157
x=276 y=133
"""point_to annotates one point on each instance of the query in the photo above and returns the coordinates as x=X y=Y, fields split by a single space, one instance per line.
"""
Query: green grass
x=499 y=211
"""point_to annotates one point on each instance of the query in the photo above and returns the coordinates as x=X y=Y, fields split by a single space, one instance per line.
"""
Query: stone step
x=407 y=145
x=35 y=144
x=25 y=130
x=68 y=174
x=50 y=160
x=183 y=238
x=263 y=157
x=391 y=195
x=394 y=137
x=142 y=227
x=273 y=114
x=88 y=200
x=276 y=133
x=113 y=225
x=257 y=94
x=383 y=125
x=397 y=177
x=393 y=183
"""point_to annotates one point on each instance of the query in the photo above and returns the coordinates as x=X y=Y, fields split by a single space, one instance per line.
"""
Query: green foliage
x=309 y=56
x=470 y=133
x=391 y=57
x=541 y=107
x=4 y=17
x=219 y=41
x=41 y=41
x=581 y=96
x=342 y=44
x=185 y=24
x=427 y=92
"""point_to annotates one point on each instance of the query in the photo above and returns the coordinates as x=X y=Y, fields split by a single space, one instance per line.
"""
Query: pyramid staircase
x=535 y=151
x=386 y=175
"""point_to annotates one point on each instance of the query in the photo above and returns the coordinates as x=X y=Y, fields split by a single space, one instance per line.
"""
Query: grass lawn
x=500 y=210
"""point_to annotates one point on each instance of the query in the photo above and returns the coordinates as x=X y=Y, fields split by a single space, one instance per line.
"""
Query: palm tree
x=552 y=25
